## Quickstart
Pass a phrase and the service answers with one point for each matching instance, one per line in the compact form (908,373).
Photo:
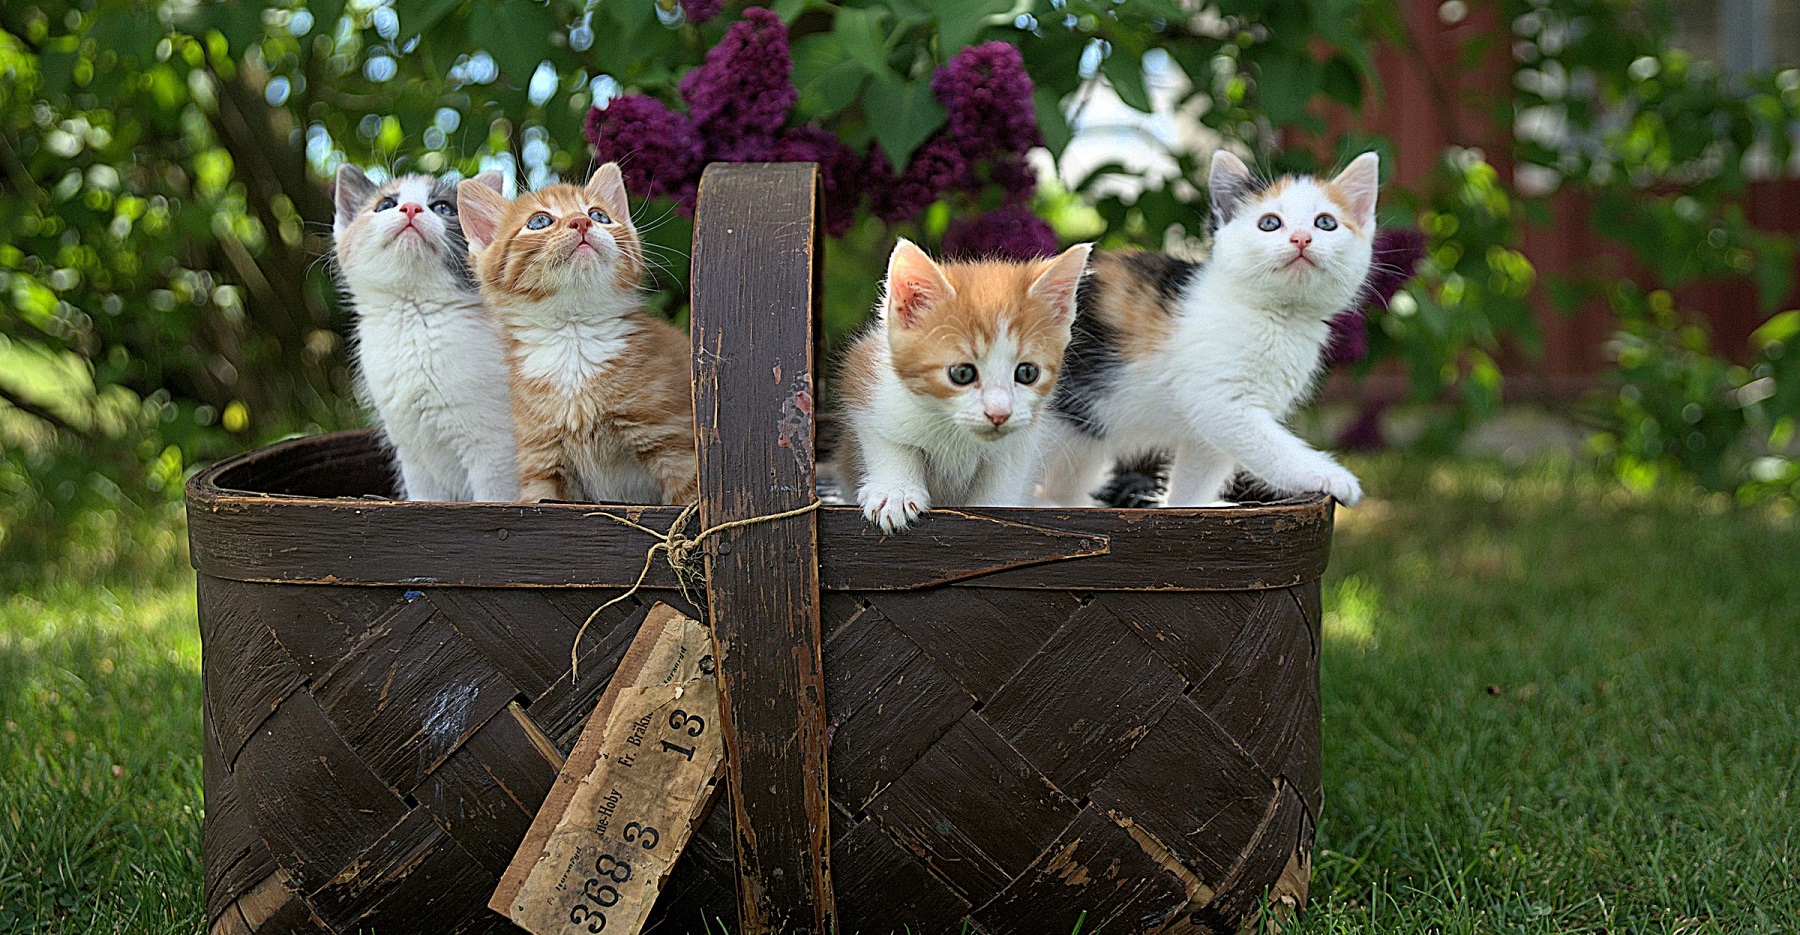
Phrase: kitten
(1208,360)
(942,398)
(431,363)
(601,401)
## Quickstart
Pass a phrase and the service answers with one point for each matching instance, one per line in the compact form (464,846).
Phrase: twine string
(679,550)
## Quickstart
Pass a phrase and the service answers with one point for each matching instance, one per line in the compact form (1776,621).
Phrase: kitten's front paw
(893,508)
(1340,483)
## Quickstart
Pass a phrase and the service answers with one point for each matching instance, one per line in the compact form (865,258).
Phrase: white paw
(893,508)
(1340,483)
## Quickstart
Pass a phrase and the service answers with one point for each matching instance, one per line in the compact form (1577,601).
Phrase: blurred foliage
(163,171)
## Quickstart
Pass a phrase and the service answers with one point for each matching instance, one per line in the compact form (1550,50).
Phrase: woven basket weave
(1034,717)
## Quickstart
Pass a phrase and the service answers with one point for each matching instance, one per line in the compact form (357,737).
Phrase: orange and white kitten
(944,398)
(600,391)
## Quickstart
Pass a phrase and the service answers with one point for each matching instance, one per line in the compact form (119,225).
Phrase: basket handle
(756,274)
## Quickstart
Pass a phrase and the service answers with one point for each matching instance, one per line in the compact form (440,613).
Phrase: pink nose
(411,210)
(1300,239)
(581,222)
(999,418)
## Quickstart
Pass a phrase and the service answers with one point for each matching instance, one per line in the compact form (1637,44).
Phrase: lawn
(1549,706)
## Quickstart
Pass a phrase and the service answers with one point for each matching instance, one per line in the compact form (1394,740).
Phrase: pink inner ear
(908,297)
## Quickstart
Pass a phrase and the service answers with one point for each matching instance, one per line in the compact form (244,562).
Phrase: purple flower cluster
(655,147)
(1397,253)
(699,11)
(739,97)
(1013,232)
(738,101)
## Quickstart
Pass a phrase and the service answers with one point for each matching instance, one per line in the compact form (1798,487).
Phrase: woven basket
(1030,716)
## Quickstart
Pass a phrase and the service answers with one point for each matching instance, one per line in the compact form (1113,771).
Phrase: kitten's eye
(1268,222)
(962,374)
(1325,222)
(386,203)
(444,208)
(539,221)
(599,216)
(1026,373)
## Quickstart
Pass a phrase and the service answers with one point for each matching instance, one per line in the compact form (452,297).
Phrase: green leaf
(239,23)
(1782,327)
(1050,120)
(326,14)
(132,34)
(1341,82)
(828,82)
(516,34)
(1285,85)
(860,36)
(960,22)
(1126,74)
(416,16)
(904,115)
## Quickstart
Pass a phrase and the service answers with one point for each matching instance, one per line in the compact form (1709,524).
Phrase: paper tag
(630,793)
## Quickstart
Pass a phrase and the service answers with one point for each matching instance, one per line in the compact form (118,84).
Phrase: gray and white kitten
(431,361)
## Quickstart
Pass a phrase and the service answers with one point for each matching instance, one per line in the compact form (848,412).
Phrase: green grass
(1549,707)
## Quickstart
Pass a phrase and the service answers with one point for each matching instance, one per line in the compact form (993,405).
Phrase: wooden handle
(755,305)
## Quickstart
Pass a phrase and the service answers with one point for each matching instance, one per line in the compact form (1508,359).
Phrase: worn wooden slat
(486,794)
(981,636)
(413,872)
(754,303)
(974,809)
(255,537)
(409,693)
(1259,690)
(316,804)
(1082,703)
(245,673)
(1191,632)
(1190,787)
(887,703)
(233,857)
(1094,874)
(880,885)
(1277,841)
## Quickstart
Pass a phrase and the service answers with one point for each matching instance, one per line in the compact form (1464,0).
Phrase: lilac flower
(740,95)
(936,167)
(840,171)
(1397,254)
(1015,177)
(699,11)
(987,95)
(1012,233)
(1349,338)
(655,147)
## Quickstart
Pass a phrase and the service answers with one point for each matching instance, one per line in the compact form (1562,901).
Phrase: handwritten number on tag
(642,835)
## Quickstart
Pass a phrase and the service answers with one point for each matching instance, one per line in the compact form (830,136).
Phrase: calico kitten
(431,363)
(1207,361)
(600,390)
(942,397)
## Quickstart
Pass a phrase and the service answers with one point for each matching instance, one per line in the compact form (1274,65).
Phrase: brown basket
(1029,714)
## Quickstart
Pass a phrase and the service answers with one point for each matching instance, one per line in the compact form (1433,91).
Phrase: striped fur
(600,390)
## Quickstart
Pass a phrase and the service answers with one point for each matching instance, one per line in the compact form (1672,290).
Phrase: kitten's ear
(1059,283)
(1228,184)
(914,283)
(353,191)
(608,187)
(493,179)
(480,209)
(1359,183)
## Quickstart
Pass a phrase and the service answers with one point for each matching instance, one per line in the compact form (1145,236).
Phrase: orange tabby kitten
(946,398)
(600,393)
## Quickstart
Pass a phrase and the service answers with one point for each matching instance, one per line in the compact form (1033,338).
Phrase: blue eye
(1325,222)
(444,208)
(539,221)
(386,203)
(599,216)
(962,374)
(1268,222)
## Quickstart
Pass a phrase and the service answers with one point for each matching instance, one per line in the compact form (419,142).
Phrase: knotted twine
(679,550)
